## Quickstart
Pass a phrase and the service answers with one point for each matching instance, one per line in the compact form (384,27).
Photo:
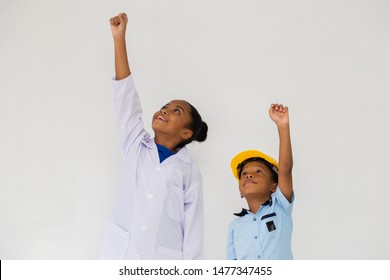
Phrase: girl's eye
(177,110)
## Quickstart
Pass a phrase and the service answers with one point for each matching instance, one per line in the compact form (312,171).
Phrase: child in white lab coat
(158,213)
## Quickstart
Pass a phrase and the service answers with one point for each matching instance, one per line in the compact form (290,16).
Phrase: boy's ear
(275,185)
(186,133)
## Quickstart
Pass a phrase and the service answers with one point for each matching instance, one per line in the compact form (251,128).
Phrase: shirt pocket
(175,203)
(269,225)
(115,242)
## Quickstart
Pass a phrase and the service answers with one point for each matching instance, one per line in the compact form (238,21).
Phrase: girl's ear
(186,134)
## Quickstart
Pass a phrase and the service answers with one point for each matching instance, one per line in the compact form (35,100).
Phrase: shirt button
(255,219)
(258,256)
(150,196)
(158,169)
(256,237)
(144,228)
(137,257)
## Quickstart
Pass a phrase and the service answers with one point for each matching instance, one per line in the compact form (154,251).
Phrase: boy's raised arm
(118,29)
(279,114)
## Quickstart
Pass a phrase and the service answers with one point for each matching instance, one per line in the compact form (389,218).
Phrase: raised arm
(279,114)
(128,107)
(118,29)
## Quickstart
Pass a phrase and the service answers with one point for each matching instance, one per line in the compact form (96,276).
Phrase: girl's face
(256,179)
(173,120)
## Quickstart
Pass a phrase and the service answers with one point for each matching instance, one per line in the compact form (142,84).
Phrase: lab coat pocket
(165,253)
(114,242)
(175,203)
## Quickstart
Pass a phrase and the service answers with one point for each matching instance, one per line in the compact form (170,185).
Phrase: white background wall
(60,158)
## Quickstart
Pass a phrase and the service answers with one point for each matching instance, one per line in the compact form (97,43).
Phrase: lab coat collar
(182,154)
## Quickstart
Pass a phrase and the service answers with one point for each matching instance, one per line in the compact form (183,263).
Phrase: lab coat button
(158,169)
(144,228)
(150,196)
(137,257)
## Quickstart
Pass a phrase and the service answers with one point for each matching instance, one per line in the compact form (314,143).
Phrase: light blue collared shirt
(265,235)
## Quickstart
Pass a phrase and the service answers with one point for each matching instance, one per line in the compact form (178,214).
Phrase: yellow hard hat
(237,162)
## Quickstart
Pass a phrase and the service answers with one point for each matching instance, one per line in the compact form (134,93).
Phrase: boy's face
(256,180)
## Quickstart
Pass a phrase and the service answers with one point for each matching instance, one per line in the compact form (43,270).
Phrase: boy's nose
(249,175)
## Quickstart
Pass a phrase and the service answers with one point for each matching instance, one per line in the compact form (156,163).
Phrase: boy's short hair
(241,159)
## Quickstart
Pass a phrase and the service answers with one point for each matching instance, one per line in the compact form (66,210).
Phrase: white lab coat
(158,212)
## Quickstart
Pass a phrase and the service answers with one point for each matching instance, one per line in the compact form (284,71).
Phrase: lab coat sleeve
(230,250)
(128,112)
(193,220)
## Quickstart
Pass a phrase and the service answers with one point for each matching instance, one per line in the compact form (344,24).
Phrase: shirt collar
(182,154)
(245,211)
(164,152)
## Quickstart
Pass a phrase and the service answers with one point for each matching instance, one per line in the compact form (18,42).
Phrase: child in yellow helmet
(264,230)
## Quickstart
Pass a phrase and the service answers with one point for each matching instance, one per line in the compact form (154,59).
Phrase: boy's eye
(259,171)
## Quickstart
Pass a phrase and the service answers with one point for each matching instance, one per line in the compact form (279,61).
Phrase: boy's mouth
(249,181)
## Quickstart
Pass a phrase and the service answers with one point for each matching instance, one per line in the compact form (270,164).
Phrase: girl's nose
(163,111)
